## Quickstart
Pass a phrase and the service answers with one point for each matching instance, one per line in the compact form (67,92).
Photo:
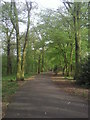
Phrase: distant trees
(78,14)
(66,40)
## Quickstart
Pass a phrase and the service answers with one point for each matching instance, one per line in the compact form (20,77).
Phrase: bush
(84,77)
(55,69)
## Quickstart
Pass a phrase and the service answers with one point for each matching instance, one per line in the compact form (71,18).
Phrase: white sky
(44,3)
(48,3)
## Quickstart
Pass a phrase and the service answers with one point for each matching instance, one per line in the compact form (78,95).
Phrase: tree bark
(26,40)
(71,54)
(9,63)
(76,18)
(16,26)
(89,26)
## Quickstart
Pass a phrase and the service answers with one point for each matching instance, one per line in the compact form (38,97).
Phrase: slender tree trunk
(42,66)
(66,64)
(71,54)
(26,40)
(63,70)
(39,59)
(23,64)
(35,64)
(9,63)
(18,77)
(77,37)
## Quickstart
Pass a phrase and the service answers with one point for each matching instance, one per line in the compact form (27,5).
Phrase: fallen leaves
(70,87)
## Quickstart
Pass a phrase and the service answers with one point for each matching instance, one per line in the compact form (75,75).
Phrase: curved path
(41,98)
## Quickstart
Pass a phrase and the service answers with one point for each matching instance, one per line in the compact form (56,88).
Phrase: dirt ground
(70,86)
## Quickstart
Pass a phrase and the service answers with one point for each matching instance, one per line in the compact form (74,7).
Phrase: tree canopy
(58,41)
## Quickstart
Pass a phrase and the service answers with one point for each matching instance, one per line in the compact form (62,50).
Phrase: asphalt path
(41,98)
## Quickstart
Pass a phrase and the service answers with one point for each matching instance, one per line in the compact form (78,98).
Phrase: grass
(69,77)
(10,86)
(10,77)
(8,89)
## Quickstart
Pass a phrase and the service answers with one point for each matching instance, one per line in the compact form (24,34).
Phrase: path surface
(41,98)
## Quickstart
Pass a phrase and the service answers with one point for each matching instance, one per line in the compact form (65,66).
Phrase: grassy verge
(10,85)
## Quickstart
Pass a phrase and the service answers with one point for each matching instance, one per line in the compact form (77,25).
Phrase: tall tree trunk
(9,62)
(77,37)
(89,26)
(26,40)
(16,26)
(66,64)
(23,64)
(35,64)
(18,77)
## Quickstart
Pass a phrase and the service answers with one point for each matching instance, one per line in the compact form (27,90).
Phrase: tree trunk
(9,63)
(71,54)
(66,64)
(89,26)
(63,70)
(26,40)
(18,77)
(39,59)
(77,37)
(42,66)
(23,64)
(16,26)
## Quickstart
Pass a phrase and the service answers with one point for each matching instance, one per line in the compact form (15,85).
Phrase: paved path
(40,98)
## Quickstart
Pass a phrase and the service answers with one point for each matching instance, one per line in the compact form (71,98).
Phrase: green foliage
(55,69)
(51,40)
(8,88)
(84,77)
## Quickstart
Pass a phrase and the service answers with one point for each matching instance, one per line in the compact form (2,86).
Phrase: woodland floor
(48,96)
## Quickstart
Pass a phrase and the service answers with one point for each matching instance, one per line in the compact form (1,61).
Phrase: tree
(29,7)
(76,17)
(7,29)
(15,22)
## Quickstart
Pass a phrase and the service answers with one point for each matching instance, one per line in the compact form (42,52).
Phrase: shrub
(84,77)
(55,69)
